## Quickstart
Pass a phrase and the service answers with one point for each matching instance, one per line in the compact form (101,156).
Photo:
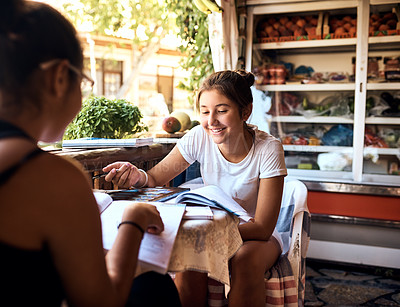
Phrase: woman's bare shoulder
(45,195)
(50,177)
(55,169)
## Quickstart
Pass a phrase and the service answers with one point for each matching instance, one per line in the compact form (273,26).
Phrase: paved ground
(334,284)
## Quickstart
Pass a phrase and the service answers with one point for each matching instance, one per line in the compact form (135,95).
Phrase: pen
(103,175)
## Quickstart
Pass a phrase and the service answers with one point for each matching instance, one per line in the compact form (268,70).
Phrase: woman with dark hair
(248,164)
(50,230)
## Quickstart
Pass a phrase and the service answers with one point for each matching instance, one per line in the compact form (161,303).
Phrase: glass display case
(332,72)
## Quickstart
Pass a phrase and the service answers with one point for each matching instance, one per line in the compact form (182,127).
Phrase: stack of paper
(198,213)
(105,143)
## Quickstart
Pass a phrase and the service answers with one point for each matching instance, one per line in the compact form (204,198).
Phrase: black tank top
(8,130)
(28,277)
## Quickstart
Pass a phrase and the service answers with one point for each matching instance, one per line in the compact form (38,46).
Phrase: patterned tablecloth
(207,246)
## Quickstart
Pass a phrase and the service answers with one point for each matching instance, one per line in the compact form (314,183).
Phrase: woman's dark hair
(32,33)
(234,85)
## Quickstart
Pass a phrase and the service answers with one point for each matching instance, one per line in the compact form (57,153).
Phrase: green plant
(193,30)
(104,118)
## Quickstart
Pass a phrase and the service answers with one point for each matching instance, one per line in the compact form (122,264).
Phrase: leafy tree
(149,21)
(193,29)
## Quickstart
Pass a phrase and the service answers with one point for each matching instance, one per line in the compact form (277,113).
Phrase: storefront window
(108,76)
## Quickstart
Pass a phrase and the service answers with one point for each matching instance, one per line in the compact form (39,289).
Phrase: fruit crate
(345,26)
(339,26)
(384,24)
(289,28)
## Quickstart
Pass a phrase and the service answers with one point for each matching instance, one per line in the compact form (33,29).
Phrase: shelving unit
(354,190)
(338,51)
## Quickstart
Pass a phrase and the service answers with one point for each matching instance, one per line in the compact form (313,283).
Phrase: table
(93,160)
(201,245)
(207,245)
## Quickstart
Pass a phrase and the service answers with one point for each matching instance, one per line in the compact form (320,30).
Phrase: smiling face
(220,118)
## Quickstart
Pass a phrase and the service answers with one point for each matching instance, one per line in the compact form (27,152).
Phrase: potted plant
(105,118)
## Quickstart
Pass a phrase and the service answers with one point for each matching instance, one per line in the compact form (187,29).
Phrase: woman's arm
(267,211)
(72,229)
(128,175)
(170,167)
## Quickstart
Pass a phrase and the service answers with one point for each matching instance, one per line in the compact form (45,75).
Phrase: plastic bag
(378,106)
(332,161)
(334,105)
(283,104)
(339,135)
(390,136)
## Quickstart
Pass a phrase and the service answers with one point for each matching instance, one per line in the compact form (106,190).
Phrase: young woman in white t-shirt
(246,163)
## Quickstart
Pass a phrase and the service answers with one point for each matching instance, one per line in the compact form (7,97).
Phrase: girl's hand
(146,215)
(123,174)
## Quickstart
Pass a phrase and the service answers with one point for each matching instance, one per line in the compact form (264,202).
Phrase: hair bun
(247,75)
(9,10)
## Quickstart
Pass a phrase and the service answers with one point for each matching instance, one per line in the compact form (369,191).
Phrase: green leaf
(105,118)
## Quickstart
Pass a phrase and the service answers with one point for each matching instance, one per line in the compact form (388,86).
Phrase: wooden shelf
(383,151)
(384,39)
(382,120)
(334,120)
(308,87)
(317,43)
(380,2)
(311,148)
(384,86)
(312,120)
(347,149)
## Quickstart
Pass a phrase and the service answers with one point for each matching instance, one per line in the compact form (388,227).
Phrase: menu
(155,250)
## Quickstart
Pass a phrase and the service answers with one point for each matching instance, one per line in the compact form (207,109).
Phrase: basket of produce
(383,24)
(289,28)
(339,26)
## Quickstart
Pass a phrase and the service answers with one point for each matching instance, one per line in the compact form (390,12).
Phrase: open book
(155,250)
(214,197)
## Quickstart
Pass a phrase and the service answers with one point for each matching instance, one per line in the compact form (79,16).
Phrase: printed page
(155,250)
(103,200)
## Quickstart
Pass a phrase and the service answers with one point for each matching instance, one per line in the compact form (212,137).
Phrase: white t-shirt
(239,180)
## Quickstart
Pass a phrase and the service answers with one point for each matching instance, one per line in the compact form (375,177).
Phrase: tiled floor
(336,284)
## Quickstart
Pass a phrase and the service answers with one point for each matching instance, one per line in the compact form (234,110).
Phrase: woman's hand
(123,174)
(146,215)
